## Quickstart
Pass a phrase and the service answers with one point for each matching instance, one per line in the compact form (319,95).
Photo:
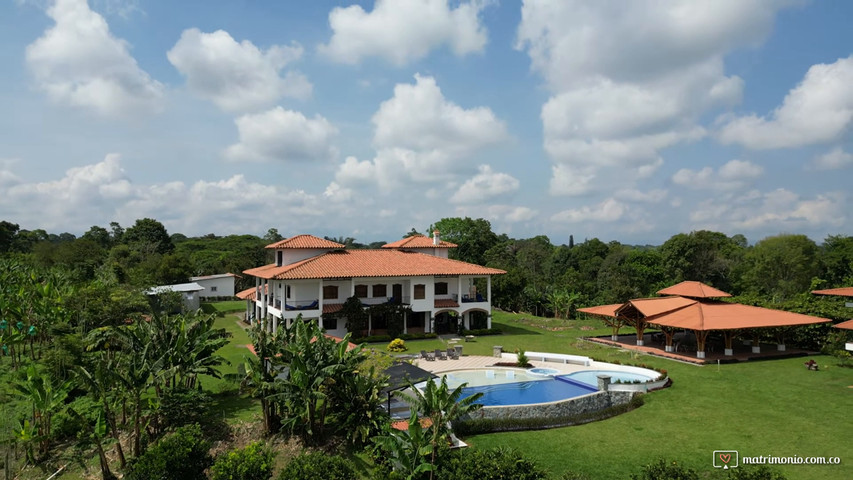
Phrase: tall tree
(473,237)
(781,266)
(8,231)
(148,236)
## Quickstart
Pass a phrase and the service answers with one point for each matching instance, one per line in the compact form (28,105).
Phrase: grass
(227,400)
(229,306)
(773,407)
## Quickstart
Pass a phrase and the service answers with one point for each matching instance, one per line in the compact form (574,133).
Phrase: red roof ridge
(305,240)
(693,289)
(419,241)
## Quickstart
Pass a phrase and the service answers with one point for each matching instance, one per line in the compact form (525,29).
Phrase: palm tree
(442,406)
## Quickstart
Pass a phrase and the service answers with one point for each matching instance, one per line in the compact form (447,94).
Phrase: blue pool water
(590,377)
(536,391)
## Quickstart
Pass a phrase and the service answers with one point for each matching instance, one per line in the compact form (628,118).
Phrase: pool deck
(477,361)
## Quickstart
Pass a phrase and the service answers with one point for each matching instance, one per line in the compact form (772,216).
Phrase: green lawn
(227,401)
(773,407)
(229,306)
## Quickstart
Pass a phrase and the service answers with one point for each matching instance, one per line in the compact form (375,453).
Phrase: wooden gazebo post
(728,337)
(668,332)
(701,336)
(637,321)
(615,323)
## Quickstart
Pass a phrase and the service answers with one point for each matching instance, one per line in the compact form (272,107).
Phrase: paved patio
(477,361)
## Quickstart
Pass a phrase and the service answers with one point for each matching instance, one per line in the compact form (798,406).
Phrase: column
(489,321)
(405,323)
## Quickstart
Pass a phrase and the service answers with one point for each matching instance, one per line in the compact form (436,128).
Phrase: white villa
(313,277)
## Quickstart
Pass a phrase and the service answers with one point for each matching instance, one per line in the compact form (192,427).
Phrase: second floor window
(361,291)
(379,291)
(441,288)
(420,291)
(330,292)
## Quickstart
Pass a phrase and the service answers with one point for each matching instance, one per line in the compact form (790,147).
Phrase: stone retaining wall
(571,407)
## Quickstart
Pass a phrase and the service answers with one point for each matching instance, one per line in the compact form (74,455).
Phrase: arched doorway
(446,322)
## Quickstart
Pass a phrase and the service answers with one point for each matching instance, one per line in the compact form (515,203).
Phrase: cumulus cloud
(485,185)
(237,76)
(402,31)
(772,212)
(78,62)
(421,137)
(610,210)
(818,110)
(735,174)
(640,196)
(835,159)
(622,94)
(283,135)
(102,192)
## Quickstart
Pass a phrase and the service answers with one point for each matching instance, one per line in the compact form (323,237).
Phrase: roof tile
(305,241)
(419,241)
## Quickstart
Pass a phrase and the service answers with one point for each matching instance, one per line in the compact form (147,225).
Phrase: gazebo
(692,306)
(841,292)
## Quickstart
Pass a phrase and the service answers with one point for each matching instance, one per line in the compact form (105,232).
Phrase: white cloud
(402,31)
(421,137)
(622,94)
(485,185)
(638,196)
(237,76)
(418,117)
(610,210)
(78,62)
(835,159)
(735,174)
(818,110)
(772,212)
(283,135)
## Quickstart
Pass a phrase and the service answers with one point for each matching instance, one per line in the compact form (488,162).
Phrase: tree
(442,406)
(8,231)
(47,399)
(273,236)
(782,266)
(836,260)
(148,236)
(473,237)
(702,256)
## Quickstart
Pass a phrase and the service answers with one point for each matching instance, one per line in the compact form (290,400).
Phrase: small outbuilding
(190,294)
(219,285)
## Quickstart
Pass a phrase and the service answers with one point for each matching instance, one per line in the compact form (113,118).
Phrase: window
(287,291)
(420,291)
(379,291)
(330,323)
(279,258)
(330,292)
(361,291)
(212,289)
(441,288)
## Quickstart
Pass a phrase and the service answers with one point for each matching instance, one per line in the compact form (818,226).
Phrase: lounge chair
(451,353)
(439,354)
(427,355)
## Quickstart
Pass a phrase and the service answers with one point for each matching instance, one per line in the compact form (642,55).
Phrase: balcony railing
(473,299)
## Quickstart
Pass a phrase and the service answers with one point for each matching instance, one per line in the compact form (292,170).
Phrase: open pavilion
(694,307)
(841,292)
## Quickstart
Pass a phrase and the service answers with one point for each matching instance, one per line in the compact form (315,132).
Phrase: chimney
(435,238)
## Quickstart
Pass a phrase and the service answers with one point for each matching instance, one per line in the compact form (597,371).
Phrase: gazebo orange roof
(841,292)
(602,310)
(708,315)
(848,325)
(693,290)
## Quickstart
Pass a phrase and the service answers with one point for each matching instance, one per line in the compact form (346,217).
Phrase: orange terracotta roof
(370,263)
(332,308)
(650,307)
(445,303)
(248,294)
(403,425)
(848,325)
(693,290)
(842,292)
(715,315)
(419,241)
(305,241)
(602,310)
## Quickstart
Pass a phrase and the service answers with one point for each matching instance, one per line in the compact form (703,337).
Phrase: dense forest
(86,356)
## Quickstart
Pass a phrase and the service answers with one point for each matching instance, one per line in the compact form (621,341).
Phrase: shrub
(181,455)
(494,464)
(311,466)
(254,462)
(397,345)
(663,470)
(183,406)
(521,360)
(762,472)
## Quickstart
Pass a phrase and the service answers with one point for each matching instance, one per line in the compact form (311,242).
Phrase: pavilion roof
(715,315)
(848,325)
(693,290)
(842,292)
(650,307)
(602,310)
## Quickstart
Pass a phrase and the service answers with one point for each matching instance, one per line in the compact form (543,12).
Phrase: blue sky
(629,121)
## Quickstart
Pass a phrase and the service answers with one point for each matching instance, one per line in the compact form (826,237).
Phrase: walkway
(476,361)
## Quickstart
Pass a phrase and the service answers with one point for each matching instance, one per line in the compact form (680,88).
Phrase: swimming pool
(590,377)
(516,387)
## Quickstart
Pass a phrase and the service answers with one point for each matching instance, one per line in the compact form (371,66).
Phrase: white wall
(217,287)
(293,255)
